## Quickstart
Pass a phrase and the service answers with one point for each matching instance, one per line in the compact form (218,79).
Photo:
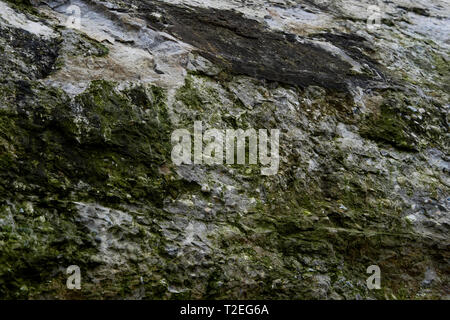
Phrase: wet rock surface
(86,176)
(244,46)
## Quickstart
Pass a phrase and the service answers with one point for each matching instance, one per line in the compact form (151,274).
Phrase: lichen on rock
(86,176)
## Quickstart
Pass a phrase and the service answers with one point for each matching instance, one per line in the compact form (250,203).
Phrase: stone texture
(86,176)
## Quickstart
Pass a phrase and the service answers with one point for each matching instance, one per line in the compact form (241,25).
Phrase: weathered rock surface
(86,176)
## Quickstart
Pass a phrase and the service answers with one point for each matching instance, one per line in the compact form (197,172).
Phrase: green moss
(37,244)
(388,126)
(114,142)
(189,95)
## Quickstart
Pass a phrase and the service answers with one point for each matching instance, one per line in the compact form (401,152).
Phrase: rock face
(87,108)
